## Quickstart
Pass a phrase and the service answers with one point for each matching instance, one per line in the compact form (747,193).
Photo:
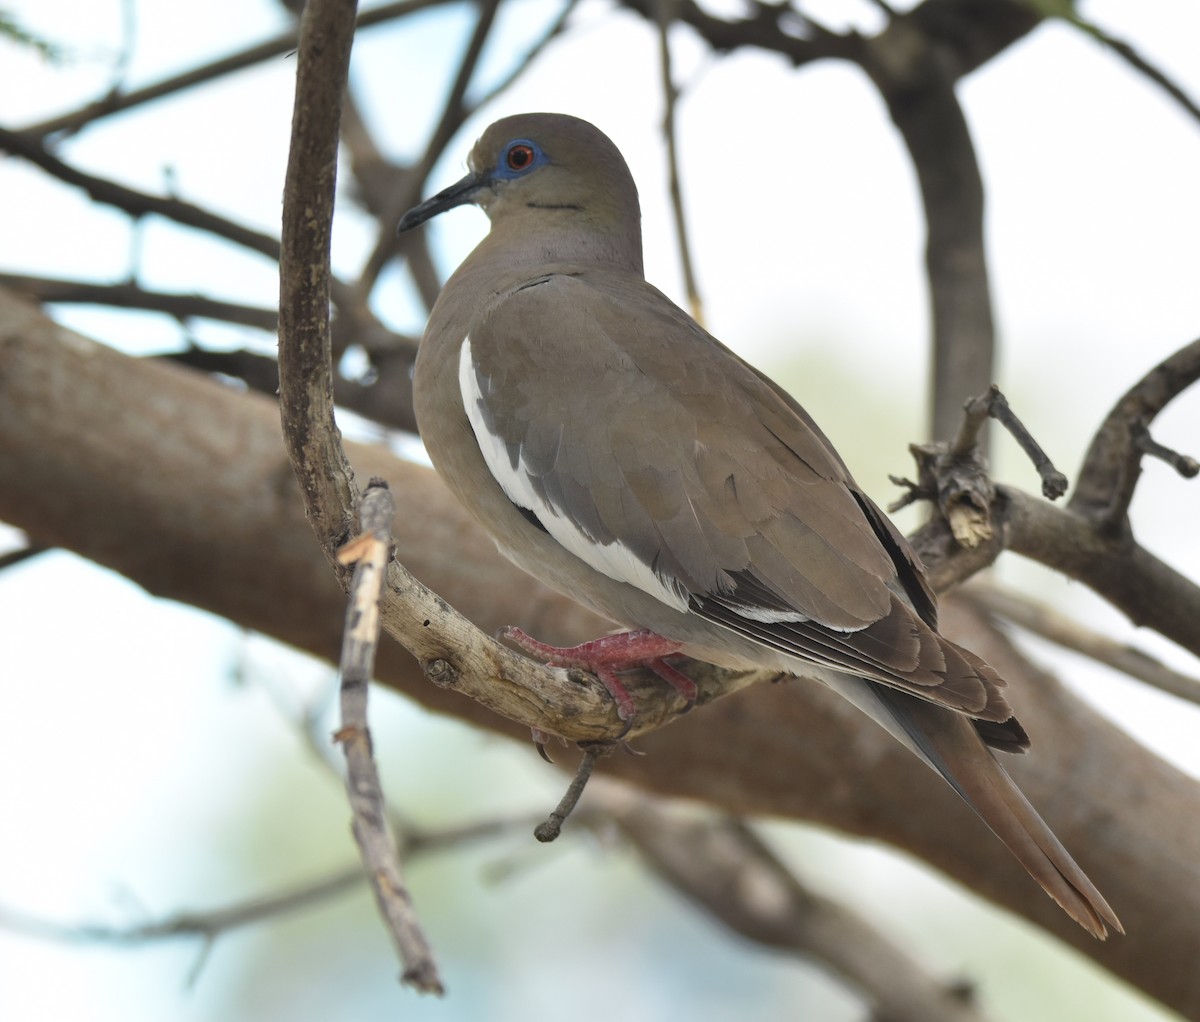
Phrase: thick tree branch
(1144,588)
(187,490)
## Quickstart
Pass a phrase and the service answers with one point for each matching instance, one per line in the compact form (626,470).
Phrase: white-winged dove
(624,456)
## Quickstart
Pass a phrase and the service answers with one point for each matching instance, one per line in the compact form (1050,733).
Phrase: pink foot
(609,654)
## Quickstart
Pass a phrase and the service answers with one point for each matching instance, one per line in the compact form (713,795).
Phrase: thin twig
(994,405)
(209,924)
(1043,620)
(370,553)
(955,474)
(277,46)
(139,204)
(133,202)
(666,15)
(557,27)
(1184,464)
(129,295)
(1135,60)
(454,112)
(550,828)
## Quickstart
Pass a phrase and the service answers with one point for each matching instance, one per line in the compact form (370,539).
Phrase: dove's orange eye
(520,156)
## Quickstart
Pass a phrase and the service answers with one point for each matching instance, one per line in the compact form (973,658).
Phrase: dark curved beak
(456,195)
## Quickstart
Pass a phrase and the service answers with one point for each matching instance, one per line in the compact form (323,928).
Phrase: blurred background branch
(180,483)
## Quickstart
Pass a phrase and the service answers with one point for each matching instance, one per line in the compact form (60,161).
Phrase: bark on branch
(187,490)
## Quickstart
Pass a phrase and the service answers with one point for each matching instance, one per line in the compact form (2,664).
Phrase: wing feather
(757,526)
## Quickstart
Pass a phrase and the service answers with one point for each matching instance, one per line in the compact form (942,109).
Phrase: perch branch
(326,35)
(251,558)
(452,652)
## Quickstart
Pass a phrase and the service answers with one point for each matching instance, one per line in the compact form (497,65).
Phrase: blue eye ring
(519,157)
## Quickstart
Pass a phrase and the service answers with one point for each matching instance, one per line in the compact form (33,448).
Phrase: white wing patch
(768,617)
(615,560)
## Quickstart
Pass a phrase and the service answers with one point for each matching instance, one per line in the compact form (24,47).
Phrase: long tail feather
(950,744)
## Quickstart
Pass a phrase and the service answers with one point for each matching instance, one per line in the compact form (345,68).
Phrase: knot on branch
(441,672)
(957,481)
(954,474)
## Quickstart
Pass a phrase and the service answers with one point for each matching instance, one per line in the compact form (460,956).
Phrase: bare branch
(1134,59)
(133,202)
(730,873)
(211,924)
(955,476)
(551,827)
(138,204)
(130,295)
(454,112)
(251,558)
(456,655)
(994,405)
(1112,465)
(666,15)
(556,28)
(279,46)
(305,345)
(980,519)
(916,79)
(208,924)
(11,558)
(326,33)
(1147,590)
(370,553)
(1048,623)
(768,27)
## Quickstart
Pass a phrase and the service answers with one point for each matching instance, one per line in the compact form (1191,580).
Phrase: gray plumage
(619,452)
